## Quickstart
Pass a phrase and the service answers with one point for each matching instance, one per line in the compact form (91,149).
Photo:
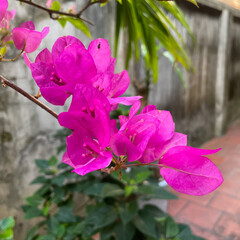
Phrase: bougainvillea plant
(145,137)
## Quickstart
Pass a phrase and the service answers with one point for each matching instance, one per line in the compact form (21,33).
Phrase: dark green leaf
(124,232)
(65,215)
(47,237)
(155,192)
(6,223)
(171,227)
(104,190)
(101,217)
(34,200)
(42,164)
(146,224)
(32,213)
(52,161)
(40,179)
(58,180)
(128,211)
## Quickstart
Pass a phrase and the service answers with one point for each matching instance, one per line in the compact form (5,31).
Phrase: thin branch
(51,11)
(6,82)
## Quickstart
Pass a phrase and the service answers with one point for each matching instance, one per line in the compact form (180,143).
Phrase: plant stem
(6,82)
(51,11)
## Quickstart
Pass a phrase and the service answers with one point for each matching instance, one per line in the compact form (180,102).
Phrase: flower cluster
(146,138)
(25,37)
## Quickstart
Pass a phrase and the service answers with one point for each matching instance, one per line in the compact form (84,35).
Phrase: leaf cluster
(149,29)
(6,228)
(113,207)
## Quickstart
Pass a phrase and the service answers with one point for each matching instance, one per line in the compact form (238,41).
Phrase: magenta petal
(134,109)
(75,65)
(121,145)
(45,32)
(192,150)
(3,8)
(28,25)
(120,83)
(20,36)
(101,54)
(124,100)
(123,120)
(27,60)
(63,42)
(67,160)
(44,56)
(189,173)
(178,139)
(113,127)
(54,95)
(33,41)
(148,108)
(95,164)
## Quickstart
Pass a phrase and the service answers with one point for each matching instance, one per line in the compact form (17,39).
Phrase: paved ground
(216,216)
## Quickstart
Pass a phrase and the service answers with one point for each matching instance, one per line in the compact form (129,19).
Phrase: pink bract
(3,8)
(25,35)
(187,171)
(84,154)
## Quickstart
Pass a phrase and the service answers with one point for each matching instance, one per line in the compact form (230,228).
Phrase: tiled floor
(216,216)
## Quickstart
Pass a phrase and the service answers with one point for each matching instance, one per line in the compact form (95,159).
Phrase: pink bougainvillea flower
(187,171)
(57,73)
(9,15)
(84,153)
(72,64)
(49,3)
(133,137)
(25,35)
(3,8)
(89,113)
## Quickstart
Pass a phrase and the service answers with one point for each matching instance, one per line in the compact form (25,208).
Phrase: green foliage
(147,24)
(6,225)
(112,205)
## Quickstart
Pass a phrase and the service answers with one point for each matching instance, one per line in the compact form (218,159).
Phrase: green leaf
(142,176)
(42,164)
(52,225)
(52,161)
(124,232)
(3,51)
(34,200)
(32,213)
(56,6)
(7,234)
(61,231)
(58,180)
(150,192)
(46,237)
(65,215)
(6,223)
(172,228)
(79,24)
(40,179)
(194,2)
(145,223)
(128,211)
(104,190)
(101,217)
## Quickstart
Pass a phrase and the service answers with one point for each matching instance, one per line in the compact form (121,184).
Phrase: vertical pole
(221,76)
